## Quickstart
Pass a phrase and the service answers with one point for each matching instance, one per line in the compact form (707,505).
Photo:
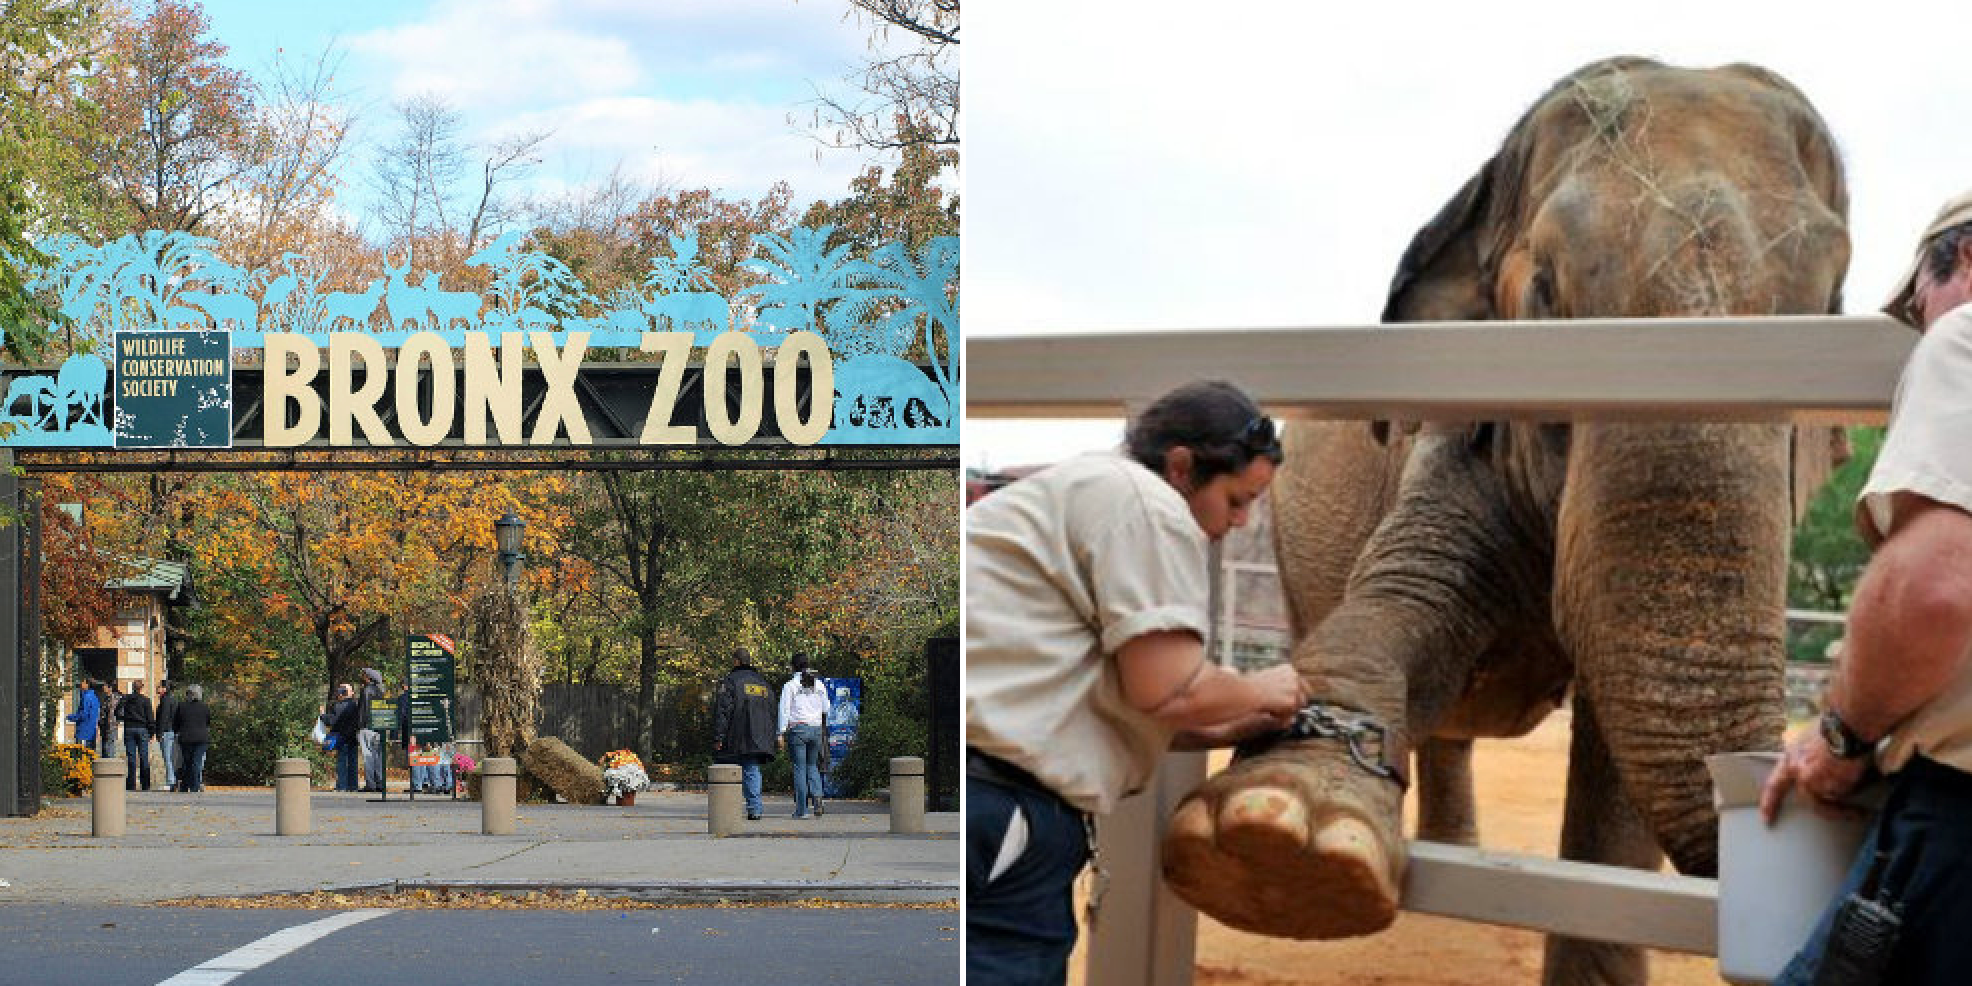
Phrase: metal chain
(1321,720)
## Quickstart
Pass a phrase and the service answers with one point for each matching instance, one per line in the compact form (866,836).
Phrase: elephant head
(1499,564)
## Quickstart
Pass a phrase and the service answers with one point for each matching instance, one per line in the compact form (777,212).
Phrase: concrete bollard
(906,795)
(106,797)
(291,796)
(498,780)
(725,808)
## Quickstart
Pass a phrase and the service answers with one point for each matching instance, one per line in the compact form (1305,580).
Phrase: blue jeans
(750,783)
(1020,924)
(167,750)
(195,766)
(136,757)
(804,745)
(1925,831)
(346,763)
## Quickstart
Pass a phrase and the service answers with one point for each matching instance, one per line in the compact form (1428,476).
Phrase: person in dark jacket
(192,721)
(345,722)
(167,738)
(743,719)
(138,725)
(112,705)
(88,714)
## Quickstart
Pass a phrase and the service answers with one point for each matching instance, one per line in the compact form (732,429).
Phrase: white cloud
(698,92)
(482,54)
(738,147)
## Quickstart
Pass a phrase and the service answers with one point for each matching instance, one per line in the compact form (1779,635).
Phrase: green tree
(35,57)
(1828,555)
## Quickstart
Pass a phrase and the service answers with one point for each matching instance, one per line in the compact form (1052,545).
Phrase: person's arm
(1167,676)
(722,713)
(786,709)
(1909,627)
(1911,621)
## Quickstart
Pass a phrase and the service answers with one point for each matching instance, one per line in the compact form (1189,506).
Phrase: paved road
(113,946)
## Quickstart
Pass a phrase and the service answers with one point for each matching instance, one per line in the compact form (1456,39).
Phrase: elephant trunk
(1450,566)
(1660,524)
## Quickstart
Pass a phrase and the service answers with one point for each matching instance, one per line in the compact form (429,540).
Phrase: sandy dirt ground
(1520,787)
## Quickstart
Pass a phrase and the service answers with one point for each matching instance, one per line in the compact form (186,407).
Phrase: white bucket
(1774,882)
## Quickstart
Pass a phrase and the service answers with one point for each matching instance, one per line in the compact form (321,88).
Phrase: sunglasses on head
(1259,438)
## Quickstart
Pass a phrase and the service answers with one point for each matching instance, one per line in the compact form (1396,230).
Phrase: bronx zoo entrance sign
(173,348)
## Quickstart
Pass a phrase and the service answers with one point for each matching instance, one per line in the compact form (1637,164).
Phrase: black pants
(1024,847)
(1926,830)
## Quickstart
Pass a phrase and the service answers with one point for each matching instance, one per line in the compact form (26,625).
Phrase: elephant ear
(1442,276)
(1446,273)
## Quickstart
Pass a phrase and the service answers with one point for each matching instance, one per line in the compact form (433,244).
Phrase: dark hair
(740,656)
(1223,427)
(1941,254)
(800,662)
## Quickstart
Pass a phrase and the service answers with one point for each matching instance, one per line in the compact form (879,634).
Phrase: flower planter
(626,799)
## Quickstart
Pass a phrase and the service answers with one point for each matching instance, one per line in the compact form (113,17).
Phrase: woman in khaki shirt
(1087,594)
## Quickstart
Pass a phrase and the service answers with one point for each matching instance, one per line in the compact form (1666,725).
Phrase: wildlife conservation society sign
(174,390)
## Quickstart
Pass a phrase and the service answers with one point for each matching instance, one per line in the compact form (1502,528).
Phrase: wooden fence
(1808,369)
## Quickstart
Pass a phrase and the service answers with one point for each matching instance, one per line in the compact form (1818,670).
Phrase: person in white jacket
(803,730)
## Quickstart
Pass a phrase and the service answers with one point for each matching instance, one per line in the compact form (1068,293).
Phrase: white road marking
(253,955)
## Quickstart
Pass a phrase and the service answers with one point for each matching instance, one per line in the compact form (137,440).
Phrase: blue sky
(688,93)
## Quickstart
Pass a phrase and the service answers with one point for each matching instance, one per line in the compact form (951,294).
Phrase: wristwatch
(1842,741)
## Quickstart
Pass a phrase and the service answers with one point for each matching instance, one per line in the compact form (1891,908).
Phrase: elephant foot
(1295,843)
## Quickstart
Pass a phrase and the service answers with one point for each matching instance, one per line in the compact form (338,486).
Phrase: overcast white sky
(1157,166)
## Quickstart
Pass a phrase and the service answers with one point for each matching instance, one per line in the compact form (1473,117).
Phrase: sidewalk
(221,843)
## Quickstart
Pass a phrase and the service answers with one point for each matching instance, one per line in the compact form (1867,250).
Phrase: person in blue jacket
(88,714)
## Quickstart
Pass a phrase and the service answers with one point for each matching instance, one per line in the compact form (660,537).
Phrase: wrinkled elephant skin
(1459,579)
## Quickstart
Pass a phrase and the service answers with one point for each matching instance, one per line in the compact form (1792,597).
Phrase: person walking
(88,714)
(1900,700)
(167,738)
(744,720)
(1087,588)
(138,724)
(343,721)
(803,723)
(192,721)
(371,742)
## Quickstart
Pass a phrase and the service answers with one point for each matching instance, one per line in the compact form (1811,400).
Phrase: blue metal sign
(851,322)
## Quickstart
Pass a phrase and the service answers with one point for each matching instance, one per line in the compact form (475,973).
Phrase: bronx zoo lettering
(491,387)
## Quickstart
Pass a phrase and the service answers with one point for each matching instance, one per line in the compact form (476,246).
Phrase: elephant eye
(1538,300)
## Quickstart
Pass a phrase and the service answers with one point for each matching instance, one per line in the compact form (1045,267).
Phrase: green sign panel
(173,389)
(433,701)
(383,715)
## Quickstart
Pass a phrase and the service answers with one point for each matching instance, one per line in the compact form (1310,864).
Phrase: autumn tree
(355,560)
(290,158)
(702,553)
(436,190)
(910,83)
(175,121)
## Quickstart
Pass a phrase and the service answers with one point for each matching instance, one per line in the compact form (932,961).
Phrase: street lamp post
(507,531)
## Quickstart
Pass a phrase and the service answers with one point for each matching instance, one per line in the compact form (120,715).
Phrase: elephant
(1449,581)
